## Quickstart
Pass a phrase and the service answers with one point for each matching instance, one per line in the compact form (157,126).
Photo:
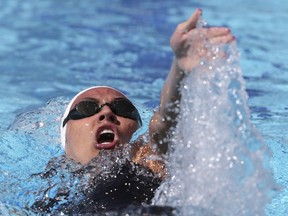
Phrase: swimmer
(102,118)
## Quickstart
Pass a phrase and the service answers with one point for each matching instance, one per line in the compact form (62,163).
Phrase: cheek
(79,142)
(77,133)
(129,129)
(132,128)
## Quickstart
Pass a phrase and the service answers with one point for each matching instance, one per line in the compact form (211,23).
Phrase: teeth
(106,136)
(106,131)
(105,143)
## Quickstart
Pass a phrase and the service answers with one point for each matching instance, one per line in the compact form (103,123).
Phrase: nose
(107,114)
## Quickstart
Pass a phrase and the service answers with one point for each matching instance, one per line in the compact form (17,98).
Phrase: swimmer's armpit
(149,158)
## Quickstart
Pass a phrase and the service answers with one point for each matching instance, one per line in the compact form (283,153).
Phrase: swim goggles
(120,107)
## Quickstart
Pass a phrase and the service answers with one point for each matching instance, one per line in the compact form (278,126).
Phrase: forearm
(166,116)
(170,94)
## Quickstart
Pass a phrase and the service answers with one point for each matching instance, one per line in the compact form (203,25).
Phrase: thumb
(192,21)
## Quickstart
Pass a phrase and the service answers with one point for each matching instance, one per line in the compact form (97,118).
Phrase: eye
(87,108)
(124,107)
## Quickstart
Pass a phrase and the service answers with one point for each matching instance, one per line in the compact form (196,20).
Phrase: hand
(189,43)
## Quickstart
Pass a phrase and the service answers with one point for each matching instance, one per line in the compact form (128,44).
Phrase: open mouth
(106,137)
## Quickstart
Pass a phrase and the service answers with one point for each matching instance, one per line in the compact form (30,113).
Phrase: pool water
(50,50)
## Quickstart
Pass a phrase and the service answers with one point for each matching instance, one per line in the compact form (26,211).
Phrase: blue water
(53,49)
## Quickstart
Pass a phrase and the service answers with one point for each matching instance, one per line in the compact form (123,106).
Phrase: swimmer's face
(104,130)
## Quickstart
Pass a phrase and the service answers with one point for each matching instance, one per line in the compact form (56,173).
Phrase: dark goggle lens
(120,107)
(87,108)
(123,108)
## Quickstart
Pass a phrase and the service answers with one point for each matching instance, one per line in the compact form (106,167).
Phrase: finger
(217,31)
(192,21)
(222,39)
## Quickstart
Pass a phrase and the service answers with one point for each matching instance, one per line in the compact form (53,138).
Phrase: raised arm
(188,45)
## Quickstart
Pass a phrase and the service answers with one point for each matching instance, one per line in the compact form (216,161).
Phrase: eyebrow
(121,98)
(97,100)
(89,99)
(85,99)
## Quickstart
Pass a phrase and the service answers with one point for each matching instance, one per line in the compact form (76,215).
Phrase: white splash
(217,162)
